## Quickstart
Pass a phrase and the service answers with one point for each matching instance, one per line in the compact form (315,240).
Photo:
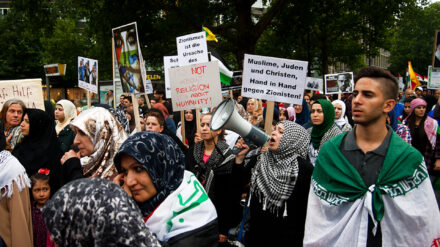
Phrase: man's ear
(389,105)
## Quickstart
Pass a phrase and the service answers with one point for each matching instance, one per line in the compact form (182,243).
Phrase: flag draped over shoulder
(413,81)
(402,200)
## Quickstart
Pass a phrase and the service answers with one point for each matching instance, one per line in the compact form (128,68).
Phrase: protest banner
(195,86)
(274,79)
(169,62)
(436,52)
(88,74)
(128,55)
(339,83)
(433,78)
(315,84)
(28,90)
(192,49)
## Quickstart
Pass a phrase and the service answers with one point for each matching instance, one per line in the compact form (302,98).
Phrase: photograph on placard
(433,78)
(88,74)
(314,84)
(128,58)
(339,83)
(436,55)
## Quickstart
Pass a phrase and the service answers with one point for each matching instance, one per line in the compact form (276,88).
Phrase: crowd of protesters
(360,170)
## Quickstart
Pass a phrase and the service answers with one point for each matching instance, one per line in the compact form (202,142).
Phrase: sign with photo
(433,78)
(436,53)
(195,86)
(339,83)
(129,60)
(88,74)
(274,79)
(27,90)
(192,49)
(315,84)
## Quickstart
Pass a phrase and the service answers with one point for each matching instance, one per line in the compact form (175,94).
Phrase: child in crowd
(40,194)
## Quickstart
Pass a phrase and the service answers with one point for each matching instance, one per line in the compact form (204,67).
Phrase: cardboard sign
(275,79)
(339,83)
(195,86)
(169,62)
(27,90)
(433,78)
(192,49)
(315,84)
(88,74)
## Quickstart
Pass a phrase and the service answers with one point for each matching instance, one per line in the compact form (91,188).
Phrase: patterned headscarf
(162,159)
(69,114)
(95,212)
(274,177)
(318,131)
(107,135)
(292,113)
(429,124)
(340,122)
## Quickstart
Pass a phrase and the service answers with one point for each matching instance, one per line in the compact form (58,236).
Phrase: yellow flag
(209,35)
(412,75)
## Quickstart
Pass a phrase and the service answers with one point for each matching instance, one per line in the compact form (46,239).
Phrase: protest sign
(195,86)
(169,62)
(433,78)
(88,74)
(275,79)
(27,90)
(315,84)
(192,49)
(339,83)
(436,53)
(128,54)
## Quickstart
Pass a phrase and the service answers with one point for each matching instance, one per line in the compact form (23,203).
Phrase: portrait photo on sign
(436,55)
(339,83)
(88,74)
(128,58)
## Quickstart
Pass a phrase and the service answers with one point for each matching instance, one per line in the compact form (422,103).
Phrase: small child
(40,195)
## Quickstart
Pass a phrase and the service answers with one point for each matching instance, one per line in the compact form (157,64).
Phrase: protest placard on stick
(169,62)
(192,49)
(27,90)
(88,74)
(339,83)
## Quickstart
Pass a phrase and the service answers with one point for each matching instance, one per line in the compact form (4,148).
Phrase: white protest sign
(433,78)
(195,86)
(27,90)
(192,49)
(169,62)
(274,79)
(315,84)
(88,74)
(339,83)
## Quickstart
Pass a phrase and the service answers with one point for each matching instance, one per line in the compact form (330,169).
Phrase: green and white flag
(402,201)
(225,73)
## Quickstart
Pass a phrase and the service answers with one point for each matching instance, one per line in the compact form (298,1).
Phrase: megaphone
(226,117)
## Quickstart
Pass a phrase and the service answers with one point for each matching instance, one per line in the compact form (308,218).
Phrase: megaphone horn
(226,117)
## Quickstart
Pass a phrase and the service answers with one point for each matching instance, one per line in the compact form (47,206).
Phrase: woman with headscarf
(254,114)
(95,212)
(280,182)
(292,114)
(424,134)
(340,120)
(190,128)
(65,112)
(98,137)
(213,163)
(303,115)
(15,206)
(324,126)
(39,147)
(173,203)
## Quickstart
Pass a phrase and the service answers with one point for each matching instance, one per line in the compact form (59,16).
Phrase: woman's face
(189,116)
(152,124)
(317,115)
(137,179)
(25,126)
(282,116)
(41,192)
(307,98)
(298,109)
(338,110)
(59,113)
(83,142)
(276,136)
(250,106)
(207,134)
(420,111)
(407,108)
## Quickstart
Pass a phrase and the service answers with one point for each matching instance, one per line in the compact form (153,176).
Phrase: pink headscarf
(292,114)
(430,124)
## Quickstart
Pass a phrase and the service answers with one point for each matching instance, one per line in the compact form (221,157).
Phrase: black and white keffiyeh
(95,212)
(275,174)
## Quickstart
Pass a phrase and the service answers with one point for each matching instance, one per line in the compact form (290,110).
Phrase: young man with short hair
(369,187)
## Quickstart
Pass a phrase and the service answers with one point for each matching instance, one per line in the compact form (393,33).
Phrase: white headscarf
(340,122)
(69,114)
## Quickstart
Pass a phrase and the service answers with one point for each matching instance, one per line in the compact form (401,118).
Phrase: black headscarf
(95,212)
(303,118)
(191,129)
(40,149)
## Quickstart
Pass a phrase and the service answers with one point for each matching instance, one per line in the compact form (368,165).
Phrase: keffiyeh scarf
(11,171)
(275,174)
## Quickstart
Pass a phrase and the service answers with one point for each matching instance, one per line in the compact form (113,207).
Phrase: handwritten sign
(315,84)
(27,90)
(192,49)
(169,62)
(339,83)
(274,79)
(195,86)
